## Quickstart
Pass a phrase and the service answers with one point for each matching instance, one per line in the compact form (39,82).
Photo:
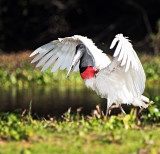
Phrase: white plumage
(120,81)
(64,50)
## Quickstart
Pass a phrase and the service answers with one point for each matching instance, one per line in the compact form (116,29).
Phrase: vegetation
(16,69)
(151,65)
(75,133)
(81,134)
(26,133)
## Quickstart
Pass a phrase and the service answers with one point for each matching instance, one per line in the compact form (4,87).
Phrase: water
(54,101)
(48,99)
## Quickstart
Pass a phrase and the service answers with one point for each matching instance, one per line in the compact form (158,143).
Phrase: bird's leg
(107,109)
(122,109)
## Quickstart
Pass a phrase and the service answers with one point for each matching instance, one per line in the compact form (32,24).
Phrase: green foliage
(12,126)
(152,115)
(89,134)
(152,71)
(23,126)
(16,126)
(151,65)
(24,74)
(28,75)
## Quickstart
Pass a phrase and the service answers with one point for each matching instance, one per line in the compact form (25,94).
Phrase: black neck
(85,61)
(82,69)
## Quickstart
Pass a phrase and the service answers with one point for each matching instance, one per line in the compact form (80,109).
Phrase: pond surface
(54,101)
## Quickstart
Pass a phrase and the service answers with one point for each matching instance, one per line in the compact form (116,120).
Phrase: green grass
(75,133)
(16,69)
(132,141)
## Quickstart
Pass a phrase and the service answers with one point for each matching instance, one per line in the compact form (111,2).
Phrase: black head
(81,54)
(81,47)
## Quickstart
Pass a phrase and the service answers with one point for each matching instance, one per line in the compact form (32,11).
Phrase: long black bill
(75,60)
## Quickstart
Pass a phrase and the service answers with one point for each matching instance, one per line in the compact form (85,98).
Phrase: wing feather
(118,49)
(128,63)
(121,54)
(46,57)
(45,48)
(60,61)
(67,58)
(49,62)
(38,57)
(61,53)
(56,51)
(124,60)
(124,74)
(130,60)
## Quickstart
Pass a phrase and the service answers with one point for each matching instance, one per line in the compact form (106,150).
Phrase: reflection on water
(48,100)
(55,100)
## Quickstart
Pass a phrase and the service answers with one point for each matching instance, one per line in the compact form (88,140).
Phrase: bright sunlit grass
(86,134)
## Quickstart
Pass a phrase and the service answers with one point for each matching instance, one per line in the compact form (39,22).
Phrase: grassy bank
(75,133)
(16,69)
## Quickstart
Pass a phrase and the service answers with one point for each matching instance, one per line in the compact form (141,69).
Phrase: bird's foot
(122,109)
(97,70)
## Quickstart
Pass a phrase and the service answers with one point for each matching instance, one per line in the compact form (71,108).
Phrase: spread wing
(124,76)
(61,52)
(128,61)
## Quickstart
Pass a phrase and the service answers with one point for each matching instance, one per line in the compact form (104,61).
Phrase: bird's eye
(81,46)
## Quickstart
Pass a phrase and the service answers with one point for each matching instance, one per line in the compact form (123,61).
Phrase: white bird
(120,81)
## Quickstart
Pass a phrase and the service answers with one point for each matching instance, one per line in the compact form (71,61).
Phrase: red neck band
(88,73)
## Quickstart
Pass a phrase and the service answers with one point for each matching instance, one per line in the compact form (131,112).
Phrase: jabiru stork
(120,81)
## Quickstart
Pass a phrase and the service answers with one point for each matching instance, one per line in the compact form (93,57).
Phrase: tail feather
(143,101)
(140,103)
(146,99)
